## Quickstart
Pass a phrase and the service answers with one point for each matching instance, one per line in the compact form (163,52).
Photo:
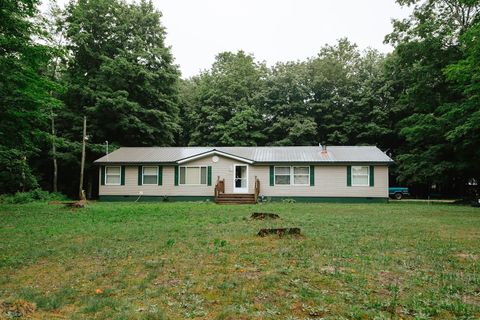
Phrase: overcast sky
(272,30)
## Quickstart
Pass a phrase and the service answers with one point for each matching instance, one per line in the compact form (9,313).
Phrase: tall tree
(121,73)
(226,111)
(425,44)
(286,106)
(463,115)
(348,101)
(24,93)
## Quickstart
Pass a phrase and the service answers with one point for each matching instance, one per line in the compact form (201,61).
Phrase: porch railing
(257,188)
(219,187)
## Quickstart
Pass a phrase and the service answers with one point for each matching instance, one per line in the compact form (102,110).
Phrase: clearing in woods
(205,261)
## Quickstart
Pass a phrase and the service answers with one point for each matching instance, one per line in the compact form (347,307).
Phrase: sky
(272,30)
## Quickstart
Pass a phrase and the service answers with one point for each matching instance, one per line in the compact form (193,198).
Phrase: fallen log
(71,204)
(279,231)
(264,215)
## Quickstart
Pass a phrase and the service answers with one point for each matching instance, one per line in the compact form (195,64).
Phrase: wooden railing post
(257,188)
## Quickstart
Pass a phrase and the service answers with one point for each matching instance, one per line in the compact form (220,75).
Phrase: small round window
(215,159)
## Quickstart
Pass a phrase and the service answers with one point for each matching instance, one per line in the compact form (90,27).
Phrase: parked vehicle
(398,193)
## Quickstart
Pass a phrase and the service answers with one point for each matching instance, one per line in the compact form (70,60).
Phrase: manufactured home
(245,174)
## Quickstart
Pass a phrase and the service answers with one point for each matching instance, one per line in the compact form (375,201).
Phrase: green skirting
(155,198)
(328,199)
(267,199)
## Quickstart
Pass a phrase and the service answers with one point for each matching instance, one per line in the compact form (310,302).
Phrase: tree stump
(264,215)
(279,231)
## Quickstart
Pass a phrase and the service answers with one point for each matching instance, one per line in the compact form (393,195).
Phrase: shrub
(32,196)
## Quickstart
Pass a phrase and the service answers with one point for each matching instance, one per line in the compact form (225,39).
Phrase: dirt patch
(264,215)
(332,270)
(387,278)
(16,309)
(280,232)
(466,257)
(473,300)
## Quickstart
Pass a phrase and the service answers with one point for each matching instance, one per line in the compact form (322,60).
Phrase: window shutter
(312,176)
(349,176)
(140,173)
(272,176)
(102,175)
(176,175)
(209,175)
(372,176)
(160,175)
(122,176)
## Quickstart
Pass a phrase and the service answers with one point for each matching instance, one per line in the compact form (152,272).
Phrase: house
(245,174)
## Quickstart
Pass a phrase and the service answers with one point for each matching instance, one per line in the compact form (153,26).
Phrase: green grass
(204,261)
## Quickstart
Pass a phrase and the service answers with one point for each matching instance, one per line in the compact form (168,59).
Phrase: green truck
(397,192)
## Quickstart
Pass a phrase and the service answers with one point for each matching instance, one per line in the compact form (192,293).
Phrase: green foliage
(32,196)
(16,174)
(24,93)
(224,102)
(430,95)
(121,73)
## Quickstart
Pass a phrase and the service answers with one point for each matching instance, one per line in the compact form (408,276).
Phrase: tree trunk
(54,152)
(82,164)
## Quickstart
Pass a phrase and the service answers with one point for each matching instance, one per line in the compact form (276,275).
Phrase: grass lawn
(204,261)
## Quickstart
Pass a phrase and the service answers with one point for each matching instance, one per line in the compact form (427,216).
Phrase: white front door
(240,178)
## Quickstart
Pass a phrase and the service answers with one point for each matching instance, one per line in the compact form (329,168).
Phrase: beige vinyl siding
(330,181)
(222,168)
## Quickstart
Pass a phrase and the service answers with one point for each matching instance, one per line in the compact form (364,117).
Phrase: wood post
(81,193)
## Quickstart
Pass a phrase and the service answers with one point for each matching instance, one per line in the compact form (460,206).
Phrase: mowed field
(205,261)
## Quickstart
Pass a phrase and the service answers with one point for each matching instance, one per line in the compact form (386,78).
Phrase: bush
(16,174)
(32,196)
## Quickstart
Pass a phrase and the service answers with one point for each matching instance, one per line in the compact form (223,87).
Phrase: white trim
(275,175)
(292,176)
(143,175)
(368,177)
(214,152)
(120,175)
(240,190)
(200,176)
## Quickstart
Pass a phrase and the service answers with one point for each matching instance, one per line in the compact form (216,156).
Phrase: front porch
(235,198)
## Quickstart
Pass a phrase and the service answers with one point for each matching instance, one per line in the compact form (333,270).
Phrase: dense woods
(107,60)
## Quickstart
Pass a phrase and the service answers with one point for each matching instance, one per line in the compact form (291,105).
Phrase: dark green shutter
(372,176)
(176,175)
(349,176)
(209,175)
(160,175)
(312,176)
(102,175)
(272,175)
(140,173)
(122,176)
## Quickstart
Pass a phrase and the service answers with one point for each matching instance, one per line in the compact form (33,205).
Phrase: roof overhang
(215,152)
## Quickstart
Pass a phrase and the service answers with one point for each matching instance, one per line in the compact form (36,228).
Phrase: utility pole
(82,164)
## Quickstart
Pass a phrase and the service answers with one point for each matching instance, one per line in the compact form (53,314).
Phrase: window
(299,176)
(282,175)
(112,175)
(360,176)
(150,175)
(193,175)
